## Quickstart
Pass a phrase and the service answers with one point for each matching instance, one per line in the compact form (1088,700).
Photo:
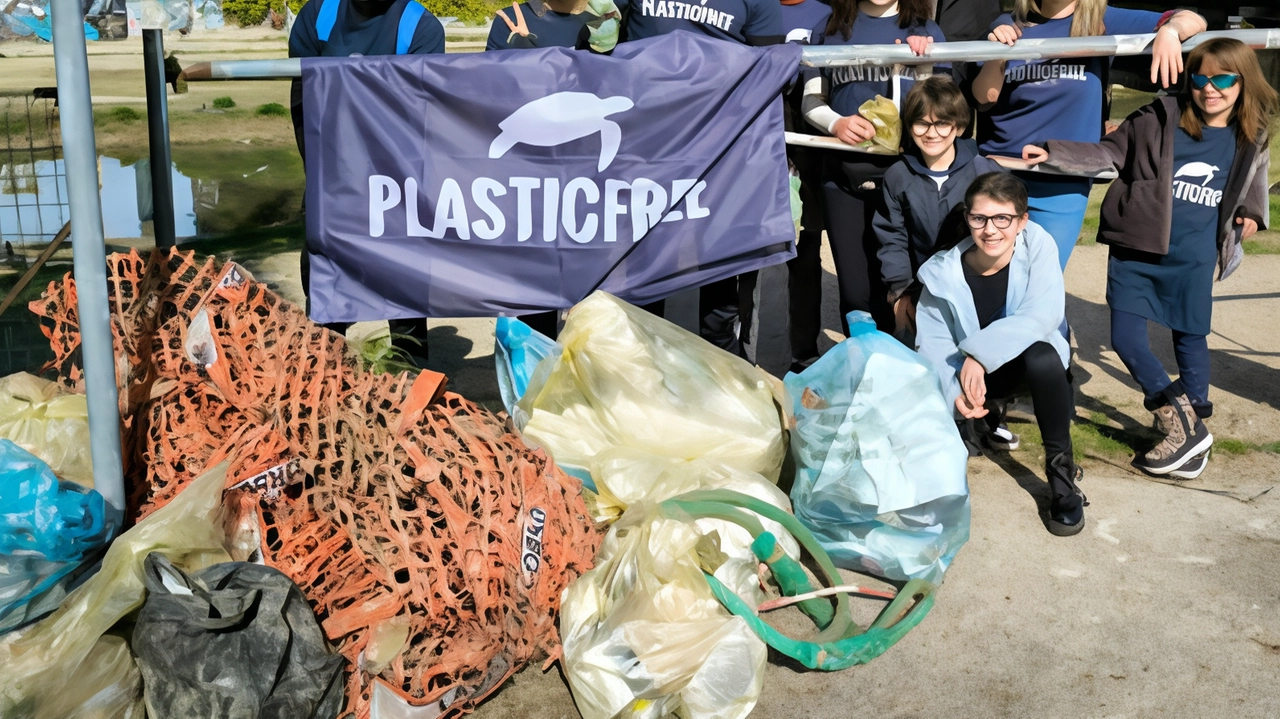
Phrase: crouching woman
(988,320)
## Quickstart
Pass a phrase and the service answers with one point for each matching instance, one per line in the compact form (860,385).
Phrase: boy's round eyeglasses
(942,127)
(1221,82)
(1002,222)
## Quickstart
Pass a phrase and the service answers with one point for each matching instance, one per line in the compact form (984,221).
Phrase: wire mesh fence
(33,207)
(33,187)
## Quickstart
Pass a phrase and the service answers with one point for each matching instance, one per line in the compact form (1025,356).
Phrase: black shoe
(799,366)
(1066,508)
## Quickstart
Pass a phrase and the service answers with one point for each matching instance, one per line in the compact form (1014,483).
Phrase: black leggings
(852,194)
(1039,368)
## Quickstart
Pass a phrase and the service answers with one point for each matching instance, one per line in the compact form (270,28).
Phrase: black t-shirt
(990,293)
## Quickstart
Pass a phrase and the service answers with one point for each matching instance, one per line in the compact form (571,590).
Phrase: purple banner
(515,182)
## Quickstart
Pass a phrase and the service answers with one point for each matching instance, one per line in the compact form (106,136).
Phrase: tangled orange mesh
(391,505)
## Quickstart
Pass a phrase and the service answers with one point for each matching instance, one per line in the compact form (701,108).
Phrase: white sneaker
(1001,439)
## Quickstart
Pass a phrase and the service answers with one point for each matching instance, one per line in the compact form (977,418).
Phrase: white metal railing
(865,55)
(832,55)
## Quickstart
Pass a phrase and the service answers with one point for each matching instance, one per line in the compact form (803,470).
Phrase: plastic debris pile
(682,444)
(432,544)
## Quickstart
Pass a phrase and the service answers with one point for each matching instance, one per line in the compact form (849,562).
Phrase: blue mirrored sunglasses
(1221,82)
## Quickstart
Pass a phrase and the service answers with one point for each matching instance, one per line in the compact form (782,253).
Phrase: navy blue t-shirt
(1053,99)
(1176,289)
(851,86)
(554,29)
(805,21)
(353,34)
(734,20)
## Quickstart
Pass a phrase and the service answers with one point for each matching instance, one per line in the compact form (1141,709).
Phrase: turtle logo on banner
(560,118)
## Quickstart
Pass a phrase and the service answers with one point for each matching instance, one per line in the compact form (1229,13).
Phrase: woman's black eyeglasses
(1002,222)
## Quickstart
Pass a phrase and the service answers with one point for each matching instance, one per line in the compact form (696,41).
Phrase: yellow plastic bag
(62,665)
(49,422)
(645,637)
(629,379)
(881,113)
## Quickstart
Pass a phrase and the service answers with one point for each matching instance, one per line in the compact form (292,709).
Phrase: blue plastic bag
(880,469)
(517,350)
(47,529)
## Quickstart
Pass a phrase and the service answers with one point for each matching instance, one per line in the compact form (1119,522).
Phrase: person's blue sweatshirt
(919,218)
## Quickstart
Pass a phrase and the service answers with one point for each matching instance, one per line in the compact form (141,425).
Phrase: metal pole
(158,134)
(80,158)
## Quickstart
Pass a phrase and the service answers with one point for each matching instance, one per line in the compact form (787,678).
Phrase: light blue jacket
(947,322)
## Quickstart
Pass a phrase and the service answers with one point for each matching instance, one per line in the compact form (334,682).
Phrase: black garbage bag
(232,641)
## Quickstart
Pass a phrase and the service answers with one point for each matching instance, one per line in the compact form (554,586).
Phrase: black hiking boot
(1067,502)
(1185,437)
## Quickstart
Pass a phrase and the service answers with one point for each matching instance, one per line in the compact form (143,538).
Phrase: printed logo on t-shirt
(799,35)
(1044,72)
(1199,194)
(687,11)
(850,73)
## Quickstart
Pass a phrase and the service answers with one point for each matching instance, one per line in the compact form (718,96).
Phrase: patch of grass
(1232,446)
(121,113)
(223,103)
(1265,246)
(1089,437)
(272,109)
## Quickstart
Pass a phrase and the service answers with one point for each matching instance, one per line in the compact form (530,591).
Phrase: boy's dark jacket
(919,220)
(1137,212)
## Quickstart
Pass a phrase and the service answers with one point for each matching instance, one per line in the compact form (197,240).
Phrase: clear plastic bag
(644,636)
(880,469)
(627,477)
(54,668)
(48,528)
(626,378)
(49,422)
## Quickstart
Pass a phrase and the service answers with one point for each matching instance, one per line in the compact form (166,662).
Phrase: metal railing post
(79,152)
(158,136)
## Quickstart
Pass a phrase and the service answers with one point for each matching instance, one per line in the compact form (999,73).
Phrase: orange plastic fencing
(390,503)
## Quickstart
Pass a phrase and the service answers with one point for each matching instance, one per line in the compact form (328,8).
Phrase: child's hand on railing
(1007,34)
(919,44)
(1034,154)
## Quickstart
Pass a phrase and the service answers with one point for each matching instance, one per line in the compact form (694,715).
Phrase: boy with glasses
(988,321)
(924,192)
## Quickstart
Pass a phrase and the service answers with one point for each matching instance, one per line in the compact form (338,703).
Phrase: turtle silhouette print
(564,117)
(1197,169)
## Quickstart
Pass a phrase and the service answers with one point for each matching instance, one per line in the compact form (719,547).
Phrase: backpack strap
(413,12)
(327,18)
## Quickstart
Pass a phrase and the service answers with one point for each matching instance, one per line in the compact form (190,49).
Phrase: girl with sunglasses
(988,321)
(1192,188)
(1021,102)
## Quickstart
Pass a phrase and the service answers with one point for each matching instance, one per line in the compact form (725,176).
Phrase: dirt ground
(1167,605)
